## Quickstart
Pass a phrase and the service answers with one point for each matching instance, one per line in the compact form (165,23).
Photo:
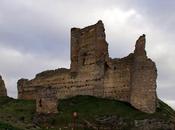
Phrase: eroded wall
(117,79)
(143,79)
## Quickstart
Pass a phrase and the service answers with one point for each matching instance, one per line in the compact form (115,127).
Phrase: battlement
(131,79)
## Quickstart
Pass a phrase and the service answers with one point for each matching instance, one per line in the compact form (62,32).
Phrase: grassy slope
(19,113)
(16,112)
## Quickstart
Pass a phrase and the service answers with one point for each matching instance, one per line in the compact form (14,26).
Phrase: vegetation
(4,126)
(19,114)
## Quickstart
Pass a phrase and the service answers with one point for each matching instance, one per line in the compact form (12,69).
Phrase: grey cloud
(29,30)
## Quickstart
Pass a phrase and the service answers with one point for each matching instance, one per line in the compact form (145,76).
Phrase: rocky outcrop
(3,91)
(131,79)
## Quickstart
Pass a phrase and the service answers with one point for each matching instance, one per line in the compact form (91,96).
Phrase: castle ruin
(131,79)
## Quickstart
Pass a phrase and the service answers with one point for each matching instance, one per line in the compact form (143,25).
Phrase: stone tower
(89,53)
(3,91)
(143,79)
(88,47)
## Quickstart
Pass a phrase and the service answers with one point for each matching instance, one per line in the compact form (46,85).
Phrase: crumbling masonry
(93,72)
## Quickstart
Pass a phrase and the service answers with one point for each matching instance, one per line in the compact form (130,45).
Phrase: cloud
(35,35)
(15,65)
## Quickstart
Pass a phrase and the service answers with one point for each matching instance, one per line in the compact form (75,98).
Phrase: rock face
(3,91)
(93,72)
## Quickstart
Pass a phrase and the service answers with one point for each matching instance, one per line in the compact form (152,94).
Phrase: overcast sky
(35,35)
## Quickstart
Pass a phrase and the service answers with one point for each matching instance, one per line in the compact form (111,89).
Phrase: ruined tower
(89,53)
(88,46)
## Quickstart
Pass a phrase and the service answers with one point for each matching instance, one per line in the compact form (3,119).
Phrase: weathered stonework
(93,72)
(144,74)
(3,91)
(46,101)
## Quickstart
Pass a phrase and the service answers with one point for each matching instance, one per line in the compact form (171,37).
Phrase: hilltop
(92,113)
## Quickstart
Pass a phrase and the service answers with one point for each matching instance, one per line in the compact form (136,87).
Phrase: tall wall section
(143,79)
(117,79)
(89,50)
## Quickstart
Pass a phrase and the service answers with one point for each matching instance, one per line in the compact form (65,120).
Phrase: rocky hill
(92,114)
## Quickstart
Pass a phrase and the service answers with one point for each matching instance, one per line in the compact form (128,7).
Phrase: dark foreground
(93,114)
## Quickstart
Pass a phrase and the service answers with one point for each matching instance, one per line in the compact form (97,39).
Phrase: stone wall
(46,101)
(3,91)
(93,72)
(26,90)
(117,79)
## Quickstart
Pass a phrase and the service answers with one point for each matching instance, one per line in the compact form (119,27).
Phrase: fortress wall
(46,101)
(83,84)
(29,94)
(117,79)
(65,84)
(143,92)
